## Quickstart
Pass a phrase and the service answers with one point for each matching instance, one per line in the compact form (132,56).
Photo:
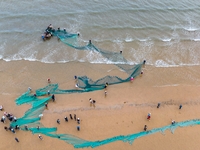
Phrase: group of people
(72,118)
(11,118)
(149,116)
(47,34)
(92,102)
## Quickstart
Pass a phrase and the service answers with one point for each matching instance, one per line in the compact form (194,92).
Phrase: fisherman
(66,119)
(145,127)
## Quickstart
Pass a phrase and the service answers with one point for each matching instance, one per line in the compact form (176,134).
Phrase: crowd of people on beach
(12,118)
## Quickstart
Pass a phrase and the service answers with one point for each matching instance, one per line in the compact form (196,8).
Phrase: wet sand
(123,111)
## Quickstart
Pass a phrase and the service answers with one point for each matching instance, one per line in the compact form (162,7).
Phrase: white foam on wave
(196,40)
(49,57)
(117,41)
(129,39)
(13,58)
(143,40)
(62,61)
(162,63)
(32,57)
(191,29)
(166,40)
(94,57)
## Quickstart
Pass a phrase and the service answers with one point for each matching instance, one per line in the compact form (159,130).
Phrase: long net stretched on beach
(32,120)
(32,117)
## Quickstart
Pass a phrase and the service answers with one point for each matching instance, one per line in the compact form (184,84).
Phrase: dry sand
(123,111)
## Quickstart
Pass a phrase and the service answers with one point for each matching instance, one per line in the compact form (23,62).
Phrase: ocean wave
(196,40)
(191,29)
(166,40)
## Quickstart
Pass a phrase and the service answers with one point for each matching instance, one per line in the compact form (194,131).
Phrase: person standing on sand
(76,85)
(78,128)
(6,128)
(173,122)
(145,127)
(105,92)
(12,130)
(106,85)
(180,106)
(71,116)
(40,137)
(29,88)
(46,105)
(93,102)
(16,139)
(75,77)
(149,116)
(75,117)
(3,118)
(26,127)
(1,107)
(78,120)
(158,105)
(58,121)
(53,97)
(66,119)
(17,127)
(90,102)
(131,79)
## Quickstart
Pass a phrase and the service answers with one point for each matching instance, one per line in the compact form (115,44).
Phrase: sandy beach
(122,112)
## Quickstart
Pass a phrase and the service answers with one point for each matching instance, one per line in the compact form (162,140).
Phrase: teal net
(32,117)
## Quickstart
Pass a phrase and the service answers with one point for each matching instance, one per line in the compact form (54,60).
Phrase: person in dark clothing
(66,119)
(40,137)
(6,128)
(71,116)
(158,105)
(53,97)
(78,120)
(17,127)
(145,127)
(16,139)
(78,128)
(26,127)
